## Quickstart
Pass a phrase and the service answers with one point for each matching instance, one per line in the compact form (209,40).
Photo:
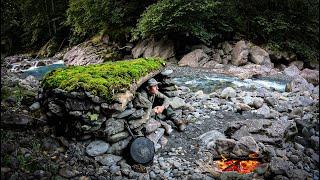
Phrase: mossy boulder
(103,80)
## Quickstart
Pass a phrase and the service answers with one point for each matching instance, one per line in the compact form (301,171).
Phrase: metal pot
(140,149)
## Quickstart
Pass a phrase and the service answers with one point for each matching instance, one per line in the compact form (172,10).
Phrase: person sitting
(157,103)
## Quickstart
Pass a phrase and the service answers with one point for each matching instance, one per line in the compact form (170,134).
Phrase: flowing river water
(194,79)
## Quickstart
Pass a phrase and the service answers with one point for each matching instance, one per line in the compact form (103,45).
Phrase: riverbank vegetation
(282,25)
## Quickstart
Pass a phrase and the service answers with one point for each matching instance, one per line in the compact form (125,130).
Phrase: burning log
(242,164)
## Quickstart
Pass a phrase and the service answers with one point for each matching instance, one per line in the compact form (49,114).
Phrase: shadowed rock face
(240,53)
(151,48)
(195,58)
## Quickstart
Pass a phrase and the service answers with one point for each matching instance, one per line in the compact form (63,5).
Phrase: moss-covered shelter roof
(103,80)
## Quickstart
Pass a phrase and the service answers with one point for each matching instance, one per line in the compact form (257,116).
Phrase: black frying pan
(141,149)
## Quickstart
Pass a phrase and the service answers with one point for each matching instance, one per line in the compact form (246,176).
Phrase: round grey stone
(96,148)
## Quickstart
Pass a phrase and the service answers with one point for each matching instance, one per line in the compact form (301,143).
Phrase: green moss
(103,80)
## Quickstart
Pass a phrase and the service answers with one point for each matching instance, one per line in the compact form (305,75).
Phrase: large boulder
(195,58)
(312,76)
(226,47)
(152,48)
(203,47)
(298,64)
(248,70)
(300,84)
(291,71)
(260,56)
(239,54)
(83,54)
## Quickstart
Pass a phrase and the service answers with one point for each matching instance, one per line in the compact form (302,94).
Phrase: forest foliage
(282,25)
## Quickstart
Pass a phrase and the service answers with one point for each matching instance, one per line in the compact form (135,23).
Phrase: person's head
(152,86)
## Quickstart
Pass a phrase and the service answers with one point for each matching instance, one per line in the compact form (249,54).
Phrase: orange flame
(241,166)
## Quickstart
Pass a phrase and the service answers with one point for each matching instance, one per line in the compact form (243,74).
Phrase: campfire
(242,165)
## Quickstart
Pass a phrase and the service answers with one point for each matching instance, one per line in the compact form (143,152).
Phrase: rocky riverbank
(282,126)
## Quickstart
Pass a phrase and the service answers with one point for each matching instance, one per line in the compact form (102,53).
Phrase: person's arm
(166,100)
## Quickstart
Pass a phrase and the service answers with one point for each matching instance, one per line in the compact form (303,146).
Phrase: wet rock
(108,159)
(228,92)
(97,148)
(208,139)
(245,146)
(240,53)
